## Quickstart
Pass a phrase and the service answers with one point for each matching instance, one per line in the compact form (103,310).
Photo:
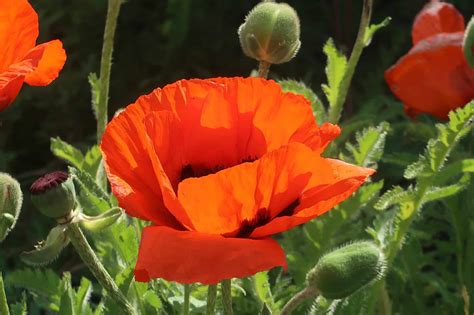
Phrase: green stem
(106,65)
(385,306)
(3,298)
(211,299)
(226,286)
(300,297)
(263,69)
(88,256)
(187,294)
(336,110)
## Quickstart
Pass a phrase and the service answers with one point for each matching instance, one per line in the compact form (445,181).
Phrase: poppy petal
(254,193)
(441,57)
(11,82)
(190,257)
(18,31)
(131,166)
(49,58)
(326,190)
(435,18)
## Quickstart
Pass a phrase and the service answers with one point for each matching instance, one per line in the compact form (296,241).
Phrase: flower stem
(187,294)
(300,297)
(263,69)
(88,256)
(113,11)
(226,286)
(211,299)
(336,110)
(3,298)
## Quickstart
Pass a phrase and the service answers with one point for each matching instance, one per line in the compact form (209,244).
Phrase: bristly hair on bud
(11,200)
(271,33)
(345,270)
(54,194)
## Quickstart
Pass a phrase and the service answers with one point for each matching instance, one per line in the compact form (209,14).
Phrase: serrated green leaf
(369,146)
(373,28)
(66,306)
(45,283)
(82,296)
(392,197)
(335,69)
(95,92)
(416,169)
(66,152)
(300,88)
(92,161)
(263,290)
(454,169)
(436,193)
(93,199)
(49,250)
(19,308)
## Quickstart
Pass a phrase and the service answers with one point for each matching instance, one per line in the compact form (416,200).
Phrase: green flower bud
(54,194)
(11,199)
(468,43)
(271,33)
(345,270)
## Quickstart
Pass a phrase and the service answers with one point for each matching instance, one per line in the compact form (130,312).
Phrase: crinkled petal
(239,199)
(190,257)
(433,77)
(436,18)
(133,168)
(325,193)
(18,31)
(11,82)
(49,59)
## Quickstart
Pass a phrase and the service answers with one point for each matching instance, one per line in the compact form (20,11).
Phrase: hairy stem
(263,69)
(3,298)
(106,65)
(227,296)
(300,297)
(88,256)
(211,299)
(336,110)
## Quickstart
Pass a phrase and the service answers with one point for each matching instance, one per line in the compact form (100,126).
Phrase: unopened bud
(11,199)
(271,33)
(54,194)
(345,270)
(468,43)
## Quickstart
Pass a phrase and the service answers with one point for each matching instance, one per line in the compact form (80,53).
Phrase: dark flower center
(189,170)
(47,182)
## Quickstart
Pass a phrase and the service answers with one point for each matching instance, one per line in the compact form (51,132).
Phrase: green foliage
(47,251)
(335,69)
(373,28)
(263,290)
(66,152)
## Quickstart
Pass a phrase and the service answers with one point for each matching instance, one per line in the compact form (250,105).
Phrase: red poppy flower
(20,59)
(218,166)
(434,76)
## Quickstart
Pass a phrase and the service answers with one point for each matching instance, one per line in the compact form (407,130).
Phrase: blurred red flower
(218,166)
(434,76)
(20,59)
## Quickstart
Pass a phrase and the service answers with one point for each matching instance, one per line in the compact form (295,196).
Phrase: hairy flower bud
(468,43)
(345,270)
(54,194)
(11,199)
(271,33)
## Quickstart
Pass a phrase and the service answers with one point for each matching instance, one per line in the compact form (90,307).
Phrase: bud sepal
(11,200)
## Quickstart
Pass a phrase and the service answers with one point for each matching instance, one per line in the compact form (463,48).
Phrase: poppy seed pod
(11,199)
(468,43)
(271,33)
(54,194)
(345,270)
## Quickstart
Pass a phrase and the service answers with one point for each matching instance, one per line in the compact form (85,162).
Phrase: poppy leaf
(373,28)
(83,295)
(66,152)
(436,193)
(19,308)
(67,306)
(335,70)
(92,198)
(263,290)
(48,250)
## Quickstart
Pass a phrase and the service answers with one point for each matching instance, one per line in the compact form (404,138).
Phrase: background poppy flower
(20,59)
(218,166)
(434,76)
